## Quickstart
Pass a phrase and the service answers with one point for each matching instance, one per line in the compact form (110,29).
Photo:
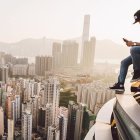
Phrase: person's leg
(125,63)
(135,54)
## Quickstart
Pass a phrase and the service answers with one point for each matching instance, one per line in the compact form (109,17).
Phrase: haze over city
(58,60)
(61,19)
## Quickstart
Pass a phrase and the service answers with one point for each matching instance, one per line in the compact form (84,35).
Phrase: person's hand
(130,43)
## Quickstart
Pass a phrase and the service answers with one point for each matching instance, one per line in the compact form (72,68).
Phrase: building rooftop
(126,112)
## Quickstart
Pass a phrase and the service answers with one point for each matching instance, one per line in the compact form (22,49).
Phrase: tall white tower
(85,35)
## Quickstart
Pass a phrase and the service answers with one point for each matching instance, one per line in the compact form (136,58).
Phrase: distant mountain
(105,49)
(29,47)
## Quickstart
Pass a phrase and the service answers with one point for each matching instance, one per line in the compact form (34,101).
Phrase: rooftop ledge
(102,126)
(130,107)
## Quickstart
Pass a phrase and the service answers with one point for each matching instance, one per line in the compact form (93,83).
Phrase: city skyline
(35,19)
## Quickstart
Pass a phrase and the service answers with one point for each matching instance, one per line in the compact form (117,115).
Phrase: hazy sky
(62,19)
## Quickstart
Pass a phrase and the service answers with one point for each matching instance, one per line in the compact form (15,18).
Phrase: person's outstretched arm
(131,43)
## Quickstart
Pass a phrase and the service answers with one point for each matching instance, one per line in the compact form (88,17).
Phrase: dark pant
(125,63)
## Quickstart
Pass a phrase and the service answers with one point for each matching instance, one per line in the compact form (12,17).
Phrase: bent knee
(124,63)
(134,49)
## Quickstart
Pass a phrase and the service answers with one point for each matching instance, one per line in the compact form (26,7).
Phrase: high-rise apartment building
(20,70)
(41,120)
(85,35)
(94,95)
(3,94)
(23,61)
(8,58)
(69,53)
(72,108)
(10,107)
(88,54)
(48,117)
(42,64)
(26,125)
(4,74)
(1,121)
(79,122)
(17,107)
(51,95)
(10,129)
(56,53)
(31,69)
(34,111)
(63,122)
(53,133)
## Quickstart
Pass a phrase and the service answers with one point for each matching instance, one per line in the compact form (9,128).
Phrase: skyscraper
(10,107)
(17,107)
(1,121)
(42,64)
(48,117)
(41,120)
(63,121)
(34,111)
(72,108)
(85,35)
(79,122)
(51,95)
(88,53)
(4,73)
(53,133)
(56,53)
(26,125)
(10,129)
(69,53)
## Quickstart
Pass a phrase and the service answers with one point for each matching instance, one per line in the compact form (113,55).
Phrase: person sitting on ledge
(134,59)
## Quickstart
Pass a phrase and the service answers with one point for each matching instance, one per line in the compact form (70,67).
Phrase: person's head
(137,17)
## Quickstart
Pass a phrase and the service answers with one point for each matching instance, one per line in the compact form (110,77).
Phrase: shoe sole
(135,80)
(117,89)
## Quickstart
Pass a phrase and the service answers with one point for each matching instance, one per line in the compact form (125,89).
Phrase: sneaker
(118,87)
(136,76)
